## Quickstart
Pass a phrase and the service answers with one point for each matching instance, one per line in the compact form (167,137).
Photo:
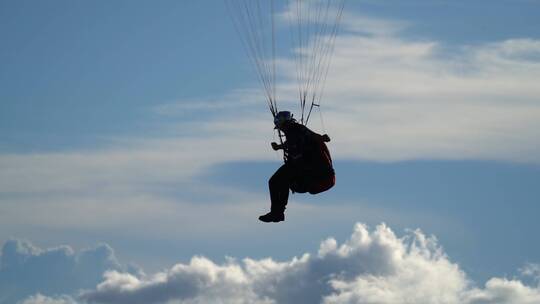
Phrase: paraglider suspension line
(313,104)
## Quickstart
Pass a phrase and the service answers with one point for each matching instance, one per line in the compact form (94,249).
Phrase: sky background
(134,138)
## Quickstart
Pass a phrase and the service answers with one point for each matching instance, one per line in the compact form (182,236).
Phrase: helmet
(283,117)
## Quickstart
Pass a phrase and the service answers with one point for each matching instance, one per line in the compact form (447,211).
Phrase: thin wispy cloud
(41,299)
(388,98)
(391,98)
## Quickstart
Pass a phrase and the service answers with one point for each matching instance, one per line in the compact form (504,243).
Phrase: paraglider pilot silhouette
(307,167)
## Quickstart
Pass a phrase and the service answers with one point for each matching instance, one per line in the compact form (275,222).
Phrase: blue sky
(140,126)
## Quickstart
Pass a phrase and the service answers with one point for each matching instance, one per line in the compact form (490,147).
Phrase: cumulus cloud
(372,266)
(27,270)
(500,290)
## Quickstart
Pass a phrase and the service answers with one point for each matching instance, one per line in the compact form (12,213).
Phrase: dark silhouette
(307,167)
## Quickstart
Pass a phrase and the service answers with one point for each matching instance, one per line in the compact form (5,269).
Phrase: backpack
(319,177)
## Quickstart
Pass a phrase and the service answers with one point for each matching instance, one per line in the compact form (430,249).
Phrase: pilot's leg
(279,188)
(279,194)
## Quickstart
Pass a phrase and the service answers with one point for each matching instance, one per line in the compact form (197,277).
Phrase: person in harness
(307,168)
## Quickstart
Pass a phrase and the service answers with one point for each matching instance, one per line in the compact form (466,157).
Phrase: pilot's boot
(272,216)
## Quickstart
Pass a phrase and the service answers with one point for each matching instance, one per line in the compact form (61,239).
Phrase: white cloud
(500,290)
(387,98)
(531,269)
(41,299)
(373,26)
(393,99)
(27,270)
(238,100)
(370,267)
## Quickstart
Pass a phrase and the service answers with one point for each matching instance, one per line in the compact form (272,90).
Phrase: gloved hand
(275,146)
(326,138)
